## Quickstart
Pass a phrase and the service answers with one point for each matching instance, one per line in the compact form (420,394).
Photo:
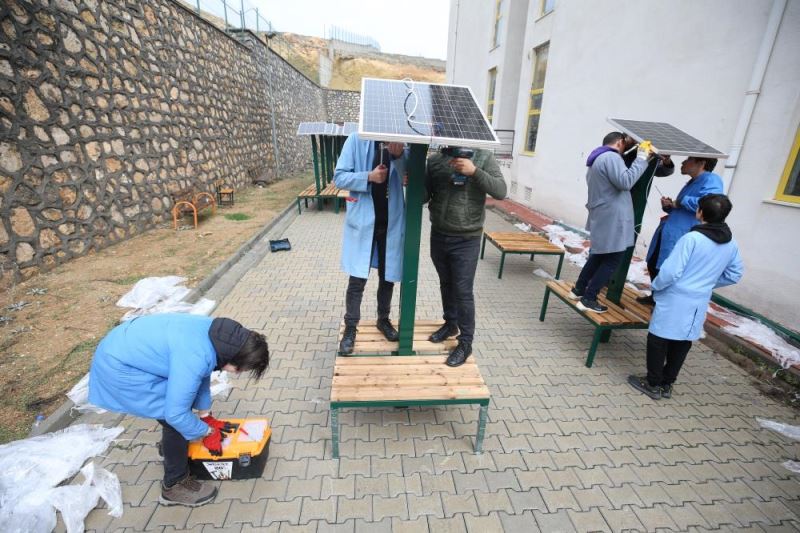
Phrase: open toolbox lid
(249,439)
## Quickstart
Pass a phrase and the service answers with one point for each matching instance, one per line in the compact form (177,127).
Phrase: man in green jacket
(457,185)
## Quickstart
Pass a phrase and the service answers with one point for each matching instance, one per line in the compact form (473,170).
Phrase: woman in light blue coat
(374,227)
(705,258)
(159,366)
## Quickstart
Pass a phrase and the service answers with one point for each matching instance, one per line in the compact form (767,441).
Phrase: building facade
(724,71)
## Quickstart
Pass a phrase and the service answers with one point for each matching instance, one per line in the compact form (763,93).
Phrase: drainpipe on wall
(455,41)
(753,90)
(276,153)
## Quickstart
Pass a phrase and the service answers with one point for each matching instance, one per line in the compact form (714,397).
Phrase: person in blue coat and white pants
(159,366)
(681,212)
(705,258)
(374,228)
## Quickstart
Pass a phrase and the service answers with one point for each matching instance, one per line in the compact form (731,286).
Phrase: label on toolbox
(219,470)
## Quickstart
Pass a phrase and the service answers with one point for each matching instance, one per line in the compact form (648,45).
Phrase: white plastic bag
(162,295)
(107,486)
(793,432)
(793,466)
(219,382)
(79,394)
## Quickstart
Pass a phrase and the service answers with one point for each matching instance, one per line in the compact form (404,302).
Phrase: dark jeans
(596,272)
(175,449)
(456,259)
(653,261)
(665,358)
(355,287)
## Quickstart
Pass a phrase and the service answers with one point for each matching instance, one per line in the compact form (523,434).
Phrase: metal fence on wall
(235,14)
(336,33)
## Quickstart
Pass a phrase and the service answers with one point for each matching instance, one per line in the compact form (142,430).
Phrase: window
(547,6)
(537,91)
(789,188)
(513,188)
(498,23)
(492,85)
(528,194)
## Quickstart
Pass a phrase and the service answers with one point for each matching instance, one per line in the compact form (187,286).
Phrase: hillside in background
(303,52)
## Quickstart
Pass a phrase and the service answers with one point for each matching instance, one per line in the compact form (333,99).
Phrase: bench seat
(517,242)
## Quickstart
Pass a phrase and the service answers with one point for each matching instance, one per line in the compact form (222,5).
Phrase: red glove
(213,422)
(213,442)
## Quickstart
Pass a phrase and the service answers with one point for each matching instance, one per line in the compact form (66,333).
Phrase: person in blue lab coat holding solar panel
(374,229)
(704,259)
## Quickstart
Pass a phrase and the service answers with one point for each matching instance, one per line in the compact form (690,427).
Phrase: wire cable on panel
(412,91)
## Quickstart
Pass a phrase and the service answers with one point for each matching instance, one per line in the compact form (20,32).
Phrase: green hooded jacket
(459,210)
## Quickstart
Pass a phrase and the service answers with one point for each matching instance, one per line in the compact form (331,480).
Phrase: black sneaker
(443,333)
(641,384)
(591,305)
(385,326)
(646,300)
(459,354)
(348,340)
(666,391)
(574,295)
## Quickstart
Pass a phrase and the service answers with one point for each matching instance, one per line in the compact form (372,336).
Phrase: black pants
(355,286)
(596,272)
(175,449)
(652,270)
(665,358)
(456,259)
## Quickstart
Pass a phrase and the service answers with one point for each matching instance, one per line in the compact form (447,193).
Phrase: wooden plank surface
(369,340)
(400,378)
(311,190)
(629,312)
(519,242)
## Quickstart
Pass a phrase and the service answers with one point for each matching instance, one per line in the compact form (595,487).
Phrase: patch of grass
(237,216)
(128,280)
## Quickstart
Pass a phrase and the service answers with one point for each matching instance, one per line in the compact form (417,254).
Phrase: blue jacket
(156,366)
(682,218)
(352,168)
(682,289)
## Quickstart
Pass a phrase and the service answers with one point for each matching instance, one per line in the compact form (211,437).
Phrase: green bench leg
(532,256)
(481,428)
(299,211)
(502,261)
(543,312)
(483,245)
(336,204)
(335,431)
(606,336)
(598,333)
(319,203)
(560,264)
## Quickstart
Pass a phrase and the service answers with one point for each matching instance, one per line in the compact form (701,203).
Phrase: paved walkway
(567,448)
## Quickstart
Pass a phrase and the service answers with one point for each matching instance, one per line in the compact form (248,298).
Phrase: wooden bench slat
(368,394)
(412,360)
(399,371)
(615,315)
(405,380)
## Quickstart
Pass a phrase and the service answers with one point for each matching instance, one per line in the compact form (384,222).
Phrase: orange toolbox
(244,452)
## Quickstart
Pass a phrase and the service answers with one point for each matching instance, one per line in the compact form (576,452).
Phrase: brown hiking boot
(188,492)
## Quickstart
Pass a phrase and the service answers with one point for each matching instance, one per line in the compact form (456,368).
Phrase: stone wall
(107,108)
(342,106)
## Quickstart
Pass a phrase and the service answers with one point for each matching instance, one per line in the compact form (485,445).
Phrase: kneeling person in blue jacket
(159,366)
(705,258)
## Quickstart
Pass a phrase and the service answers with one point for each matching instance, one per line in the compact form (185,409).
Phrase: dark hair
(612,137)
(253,356)
(709,163)
(715,207)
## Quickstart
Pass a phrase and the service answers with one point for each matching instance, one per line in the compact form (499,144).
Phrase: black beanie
(228,337)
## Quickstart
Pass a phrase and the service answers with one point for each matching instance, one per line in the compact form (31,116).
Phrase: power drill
(456,151)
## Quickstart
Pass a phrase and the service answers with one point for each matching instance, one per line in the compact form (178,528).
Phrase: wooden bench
(370,341)
(330,191)
(225,193)
(405,381)
(189,200)
(628,315)
(522,243)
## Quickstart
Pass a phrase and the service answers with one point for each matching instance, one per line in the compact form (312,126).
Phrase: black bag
(280,244)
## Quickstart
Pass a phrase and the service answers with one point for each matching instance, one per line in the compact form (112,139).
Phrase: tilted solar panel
(666,138)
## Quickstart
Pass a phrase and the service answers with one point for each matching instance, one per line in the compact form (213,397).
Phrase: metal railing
(506,148)
(235,14)
(336,33)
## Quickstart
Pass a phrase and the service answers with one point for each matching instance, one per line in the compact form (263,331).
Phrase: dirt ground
(53,321)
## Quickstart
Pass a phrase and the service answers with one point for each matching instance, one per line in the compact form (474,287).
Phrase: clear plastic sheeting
(563,237)
(79,394)
(31,470)
(161,295)
(793,432)
(523,226)
(542,274)
(757,333)
(792,466)
(219,382)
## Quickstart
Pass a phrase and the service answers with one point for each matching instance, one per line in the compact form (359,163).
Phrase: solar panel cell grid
(666,138)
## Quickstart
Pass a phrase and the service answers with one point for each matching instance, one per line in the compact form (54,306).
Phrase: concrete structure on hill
(724,71)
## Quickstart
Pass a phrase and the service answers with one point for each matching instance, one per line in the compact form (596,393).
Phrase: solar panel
(666,138)
(422,113)
(330,129)
(311,128)
(349,127)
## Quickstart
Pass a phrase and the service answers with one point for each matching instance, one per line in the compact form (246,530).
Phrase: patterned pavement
(567,448)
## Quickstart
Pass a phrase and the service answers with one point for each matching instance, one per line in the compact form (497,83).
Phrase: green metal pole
(323,164)
(316,161)
(331,159)
(415,191)
(639,194)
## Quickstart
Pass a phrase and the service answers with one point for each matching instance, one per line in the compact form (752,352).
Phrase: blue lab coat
(682,217)
(682,289)
(355,163)
(157,366)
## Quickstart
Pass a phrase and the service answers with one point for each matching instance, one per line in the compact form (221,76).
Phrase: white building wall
(683,62)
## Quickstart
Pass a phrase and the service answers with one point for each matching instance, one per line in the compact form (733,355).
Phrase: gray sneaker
(666,391)
(640,383)
(188,492)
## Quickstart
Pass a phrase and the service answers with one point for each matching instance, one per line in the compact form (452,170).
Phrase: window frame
(534,92)
(792,162)
(498,15)
(491,95)
(542,6)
